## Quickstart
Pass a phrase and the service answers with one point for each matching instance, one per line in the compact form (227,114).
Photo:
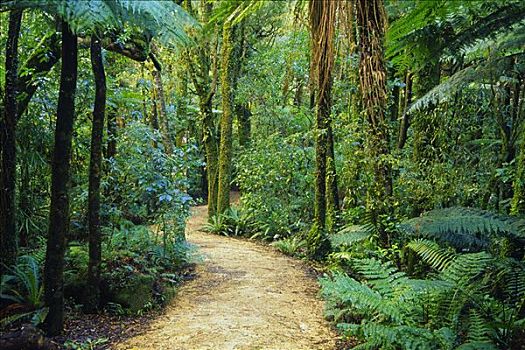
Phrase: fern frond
(341,289)
(351,235)
(379,336)
(466,267)
(383,277)
(432,253)
(479,330)
(463,228)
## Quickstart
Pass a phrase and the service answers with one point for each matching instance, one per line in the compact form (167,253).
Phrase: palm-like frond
(162,19)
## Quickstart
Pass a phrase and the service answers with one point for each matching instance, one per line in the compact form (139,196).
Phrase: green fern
(471,299)
(464,228)
(351,235)
(290,246)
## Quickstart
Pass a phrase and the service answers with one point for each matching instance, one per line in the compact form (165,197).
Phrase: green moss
(137,294)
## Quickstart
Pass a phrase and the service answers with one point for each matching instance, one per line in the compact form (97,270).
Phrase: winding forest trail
(245,296)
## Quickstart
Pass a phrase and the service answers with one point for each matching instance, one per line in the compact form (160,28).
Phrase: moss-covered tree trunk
(60,178)
(163,115)
(211,148)
(332,191)
(92,299)
(371,20)
(322,26)
(225,147)
(518,199)
(8,234)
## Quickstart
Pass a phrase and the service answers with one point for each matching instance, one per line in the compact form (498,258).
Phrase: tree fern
(162,19)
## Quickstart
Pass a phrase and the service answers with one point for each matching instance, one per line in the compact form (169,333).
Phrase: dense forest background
(383,139)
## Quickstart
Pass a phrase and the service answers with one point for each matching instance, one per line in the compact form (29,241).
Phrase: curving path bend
(245,296)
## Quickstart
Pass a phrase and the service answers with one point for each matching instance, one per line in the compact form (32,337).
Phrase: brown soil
(245,296)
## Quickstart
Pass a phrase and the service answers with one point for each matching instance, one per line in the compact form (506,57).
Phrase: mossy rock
(137,294)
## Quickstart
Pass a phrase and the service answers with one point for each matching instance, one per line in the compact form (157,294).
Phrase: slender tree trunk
(322,23)
(394,111)
(518,199)
(8,236)
(163,116)
(405,121)
(95,237)
(332,192)
(60,178)
(203,72)
(371,20)
(211,148)
(225,148)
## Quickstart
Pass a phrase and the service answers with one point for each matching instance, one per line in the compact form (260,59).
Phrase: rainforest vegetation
(380,141)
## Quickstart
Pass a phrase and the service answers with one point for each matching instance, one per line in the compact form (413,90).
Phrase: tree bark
(204,75)
(92,301)
(211,148)
(8,235)
(225,148)
(322,26)
(60,178)
(371,20)
(163,116)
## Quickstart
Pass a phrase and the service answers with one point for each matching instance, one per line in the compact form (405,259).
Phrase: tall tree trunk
(211,148)
(518,199)
(8,237)
(371,20)
(405,121)
(322,24)
(60,178)
(332,191)
(225,148)
(163,116)
(203,72)
(92,300)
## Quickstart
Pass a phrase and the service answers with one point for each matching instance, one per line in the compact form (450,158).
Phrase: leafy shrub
(291,245)
(144,182)
(233,222)
(275,179)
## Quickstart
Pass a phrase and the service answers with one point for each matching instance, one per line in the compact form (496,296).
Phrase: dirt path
(245,296)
